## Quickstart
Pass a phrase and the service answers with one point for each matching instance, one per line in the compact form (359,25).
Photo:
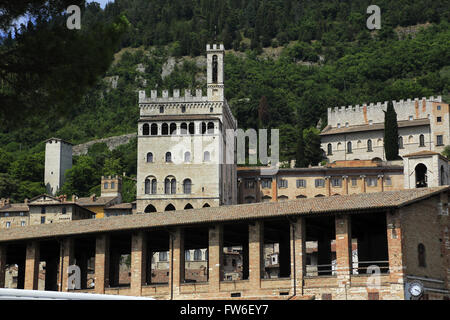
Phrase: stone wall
(111,142)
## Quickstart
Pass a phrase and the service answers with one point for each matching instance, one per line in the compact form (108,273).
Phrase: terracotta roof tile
(348,203)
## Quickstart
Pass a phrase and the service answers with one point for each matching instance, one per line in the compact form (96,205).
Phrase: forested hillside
(287,62)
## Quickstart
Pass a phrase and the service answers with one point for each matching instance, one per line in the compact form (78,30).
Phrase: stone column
(256,253)
(215,257)
(101,263)
(32,265)
(66,260)
(298,255)
(258,189)
(343,254)
(328,185)
(2,265)
(138,262)
(363,183)
(395,253)
(380,182)
(345,178)
(176,269)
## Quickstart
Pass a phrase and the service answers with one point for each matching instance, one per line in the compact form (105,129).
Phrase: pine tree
(263,113)
(391,133)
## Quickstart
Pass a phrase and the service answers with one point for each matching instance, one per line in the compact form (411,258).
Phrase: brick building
(401,234)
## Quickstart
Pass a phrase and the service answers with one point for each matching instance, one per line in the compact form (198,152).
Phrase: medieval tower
(182,147)
(58,159)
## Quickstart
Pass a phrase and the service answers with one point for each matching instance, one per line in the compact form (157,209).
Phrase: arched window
(150,208)
(187,255)
(421,255)
(214,69)
(147,186)
(168,157)
(206,156)
(329,149)
(211,127)
(197,255)
(203,128)
(150,185)
(266,198)
(300,196)
(191,128)
(249,199)
(170,207)
(187,156)
(173,186)
(421,140)
(206,205)
(349,147)
(184,128)
(319,196)
(400,142)
(154,129)
(187,185)
(167,186)
(163,256)
(149,157)
(173,128)
(369,145)
(165,129)
(145,129)
(188,206)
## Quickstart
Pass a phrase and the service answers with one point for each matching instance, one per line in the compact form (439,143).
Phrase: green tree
(313,152)
(300,158)
(391,133)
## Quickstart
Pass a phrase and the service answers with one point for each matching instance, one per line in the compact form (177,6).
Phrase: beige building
(182,146)
(13,214)
(357,133)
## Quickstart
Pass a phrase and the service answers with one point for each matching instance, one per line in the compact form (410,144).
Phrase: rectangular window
(42,220)
(354,182)
(6,214)
(336,182)
(112,185)
(439,119)
(439,140)
(266,183)
(8,224)
(320,183)
(105,185)
(372,182)
(42,209)
(301,183)
(22,223)
(282,183)
(249,184)
(388,181)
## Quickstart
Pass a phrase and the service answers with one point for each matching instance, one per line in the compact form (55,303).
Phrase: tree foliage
(391,145)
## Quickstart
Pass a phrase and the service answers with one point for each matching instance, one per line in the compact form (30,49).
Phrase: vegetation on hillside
(327,58)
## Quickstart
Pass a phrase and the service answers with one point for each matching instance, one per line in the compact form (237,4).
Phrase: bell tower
(214,55)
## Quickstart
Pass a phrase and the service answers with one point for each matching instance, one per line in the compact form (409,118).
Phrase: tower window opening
(214,69)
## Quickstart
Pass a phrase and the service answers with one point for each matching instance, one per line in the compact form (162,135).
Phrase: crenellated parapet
(372,113)
(176,96)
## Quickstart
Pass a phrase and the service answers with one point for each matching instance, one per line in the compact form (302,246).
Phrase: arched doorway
(169,207)
(188,206)
(421,175)
(150,208)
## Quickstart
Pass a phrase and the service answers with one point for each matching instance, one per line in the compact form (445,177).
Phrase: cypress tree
(300,160)
(391,133)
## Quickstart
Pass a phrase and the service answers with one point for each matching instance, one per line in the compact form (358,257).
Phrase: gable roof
(365,202)
(99,201)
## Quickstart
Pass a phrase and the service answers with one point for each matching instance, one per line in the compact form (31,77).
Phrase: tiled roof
(99,201)
(328,130)
(120,206)
(308,206)
(15,207)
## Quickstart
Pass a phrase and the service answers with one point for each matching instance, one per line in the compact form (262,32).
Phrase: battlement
(176,97)
(369,113)
(379,105)
(214,47)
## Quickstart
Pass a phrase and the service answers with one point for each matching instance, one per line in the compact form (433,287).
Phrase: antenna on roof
(215,33)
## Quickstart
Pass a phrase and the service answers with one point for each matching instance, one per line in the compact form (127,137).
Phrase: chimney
(7,201)
(25,201)
(93,197)
(74,198)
